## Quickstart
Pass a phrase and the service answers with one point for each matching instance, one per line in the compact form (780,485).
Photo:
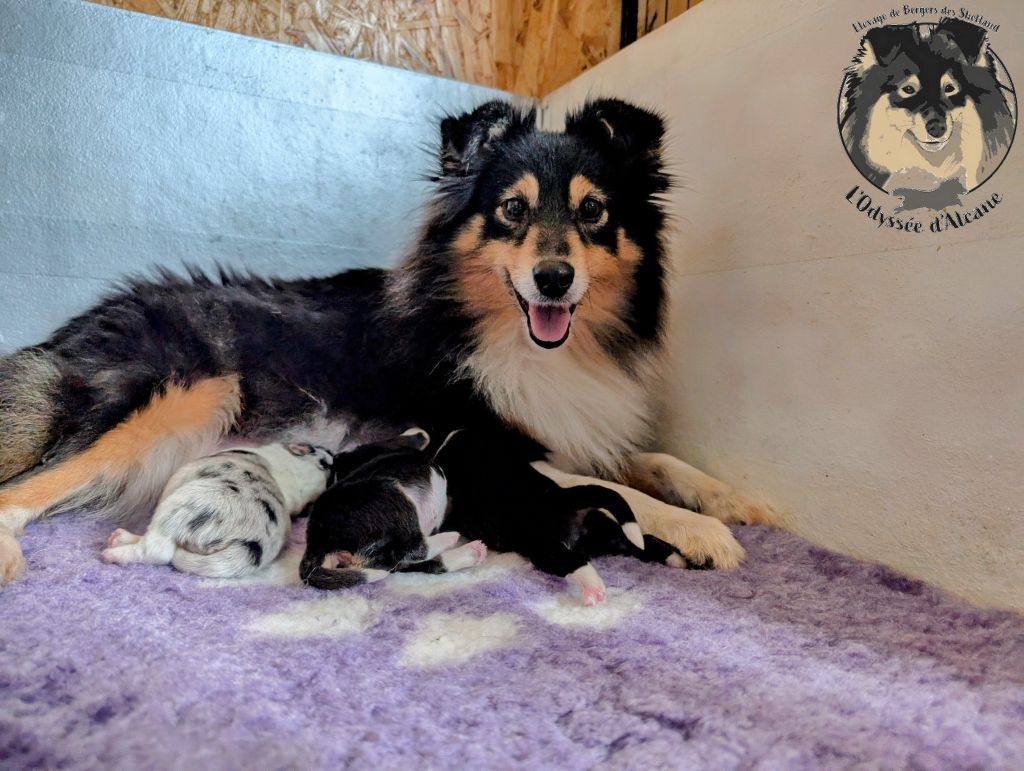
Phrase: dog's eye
(950,88)
(514,209)
(591,209)
(909,90)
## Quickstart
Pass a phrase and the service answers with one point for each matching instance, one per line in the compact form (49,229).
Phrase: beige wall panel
(871,381)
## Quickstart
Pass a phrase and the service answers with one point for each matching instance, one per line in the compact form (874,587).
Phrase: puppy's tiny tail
(238,558)
(319,577)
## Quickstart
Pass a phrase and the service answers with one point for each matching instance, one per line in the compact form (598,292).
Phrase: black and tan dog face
(551,225)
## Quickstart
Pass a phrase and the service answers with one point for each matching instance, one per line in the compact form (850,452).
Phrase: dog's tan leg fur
(136,457)
(698,537)
(671,480)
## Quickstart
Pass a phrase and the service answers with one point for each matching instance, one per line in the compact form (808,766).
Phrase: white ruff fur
(584,409)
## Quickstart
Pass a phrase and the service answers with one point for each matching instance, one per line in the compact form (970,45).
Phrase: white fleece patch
(426,585)
(563,609)
(336,616)
(447,638)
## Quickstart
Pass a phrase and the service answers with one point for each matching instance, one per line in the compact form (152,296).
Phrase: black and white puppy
(559,529)
(380,515)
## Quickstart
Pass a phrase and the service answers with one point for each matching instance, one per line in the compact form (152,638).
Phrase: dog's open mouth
(548,324)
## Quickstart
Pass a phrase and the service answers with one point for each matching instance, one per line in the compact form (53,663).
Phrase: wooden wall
(526,46)
(651,14)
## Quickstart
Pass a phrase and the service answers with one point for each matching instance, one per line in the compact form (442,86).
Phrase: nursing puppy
(380,515)
(228,514)
(559,529)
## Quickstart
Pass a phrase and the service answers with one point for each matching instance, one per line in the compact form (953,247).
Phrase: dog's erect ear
(968,38)
(629,131)
(883,44)
(467,139)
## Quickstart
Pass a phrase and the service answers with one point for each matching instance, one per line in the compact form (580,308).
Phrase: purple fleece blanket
(800,659)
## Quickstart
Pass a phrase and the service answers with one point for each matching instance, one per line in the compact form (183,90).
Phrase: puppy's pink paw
(585,583)
(479,551)
(121,537)
(592,595)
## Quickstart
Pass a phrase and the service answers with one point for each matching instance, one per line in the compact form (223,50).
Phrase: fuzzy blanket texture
(800,659)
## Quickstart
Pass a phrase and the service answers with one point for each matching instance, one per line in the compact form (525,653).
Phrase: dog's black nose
(936,127)
(553,277)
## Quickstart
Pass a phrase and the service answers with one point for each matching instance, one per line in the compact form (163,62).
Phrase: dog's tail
(316,575)
(29,408)
(591,497)
(236,559)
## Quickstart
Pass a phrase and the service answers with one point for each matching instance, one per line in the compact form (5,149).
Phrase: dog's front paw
(703,541)
(671,480)
(737,508)
(12,561)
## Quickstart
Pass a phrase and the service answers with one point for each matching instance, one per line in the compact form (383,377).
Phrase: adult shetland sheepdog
(923,114)
(532,305)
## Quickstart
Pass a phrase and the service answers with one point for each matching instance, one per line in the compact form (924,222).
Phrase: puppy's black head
(554,232)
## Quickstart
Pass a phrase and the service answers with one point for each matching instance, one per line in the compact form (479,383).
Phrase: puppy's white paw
(477,550)
(441,542)
(466,556)
(587,584)
(676,561)
(12,561)
(592,595)
(122,537)
(119,555)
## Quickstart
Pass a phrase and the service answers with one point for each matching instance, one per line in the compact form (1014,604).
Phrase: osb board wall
(651,14)
(525,46)
(540,45)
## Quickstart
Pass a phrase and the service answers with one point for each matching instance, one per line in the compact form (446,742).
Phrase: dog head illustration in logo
(927,112)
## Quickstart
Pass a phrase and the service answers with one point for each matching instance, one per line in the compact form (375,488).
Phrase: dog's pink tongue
(549,322)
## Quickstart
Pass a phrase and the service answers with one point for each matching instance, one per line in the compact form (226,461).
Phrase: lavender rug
(801,659)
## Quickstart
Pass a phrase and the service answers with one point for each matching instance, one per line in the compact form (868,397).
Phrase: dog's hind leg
(669,479)
(703,541)
(153,548)
(126,468)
